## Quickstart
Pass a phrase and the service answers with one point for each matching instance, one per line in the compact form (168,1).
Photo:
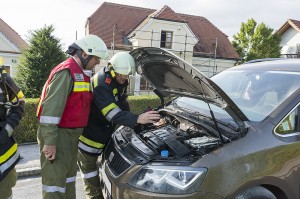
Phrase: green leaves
(256,41)
(43,54)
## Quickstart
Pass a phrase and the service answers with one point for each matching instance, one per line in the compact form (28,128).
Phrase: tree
(256,42)
(44,53)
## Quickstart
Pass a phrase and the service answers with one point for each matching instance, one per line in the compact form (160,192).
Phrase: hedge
(26,131)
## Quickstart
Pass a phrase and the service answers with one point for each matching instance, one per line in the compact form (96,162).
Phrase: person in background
(12,102)
(109,108)
(63,111)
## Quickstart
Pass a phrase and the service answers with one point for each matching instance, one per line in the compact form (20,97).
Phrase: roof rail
(262,60)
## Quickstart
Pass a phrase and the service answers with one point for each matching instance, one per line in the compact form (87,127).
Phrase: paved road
(31,188)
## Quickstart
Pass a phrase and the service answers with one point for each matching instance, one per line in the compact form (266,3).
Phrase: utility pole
(215,57)
(113,42)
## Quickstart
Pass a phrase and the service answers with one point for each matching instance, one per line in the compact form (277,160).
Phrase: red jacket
(77,108)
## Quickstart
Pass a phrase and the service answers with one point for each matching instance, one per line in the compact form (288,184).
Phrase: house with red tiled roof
(193,38)
(290,39)
(11,45)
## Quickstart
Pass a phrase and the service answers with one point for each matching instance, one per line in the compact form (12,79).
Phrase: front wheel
(257,192)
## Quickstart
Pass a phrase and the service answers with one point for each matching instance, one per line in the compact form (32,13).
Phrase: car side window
(290,124)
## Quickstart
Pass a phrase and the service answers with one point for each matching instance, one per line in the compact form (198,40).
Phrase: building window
(166,39)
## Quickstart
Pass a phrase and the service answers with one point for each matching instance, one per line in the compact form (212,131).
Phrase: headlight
(167,180)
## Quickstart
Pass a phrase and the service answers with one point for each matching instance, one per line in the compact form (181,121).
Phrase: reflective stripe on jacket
(77,107)
(9,157)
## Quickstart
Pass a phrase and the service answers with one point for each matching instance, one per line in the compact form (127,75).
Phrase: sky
(69,16)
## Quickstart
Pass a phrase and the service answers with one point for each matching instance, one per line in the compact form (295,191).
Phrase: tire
(257,192)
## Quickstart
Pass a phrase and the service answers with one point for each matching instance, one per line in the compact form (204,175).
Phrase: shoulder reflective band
(81,86)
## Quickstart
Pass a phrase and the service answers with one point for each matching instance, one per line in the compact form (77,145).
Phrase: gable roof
(290,23)
(124,19)
(166,13)
(12,35)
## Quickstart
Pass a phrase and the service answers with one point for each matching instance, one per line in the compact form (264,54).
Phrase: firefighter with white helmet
(63,111)
(109,108)
(11,111)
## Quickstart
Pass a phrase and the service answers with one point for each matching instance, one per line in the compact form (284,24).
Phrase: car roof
(271,65)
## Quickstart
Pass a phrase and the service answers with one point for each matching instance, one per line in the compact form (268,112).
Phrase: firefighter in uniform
(11,111)
(63,112)
(109,108)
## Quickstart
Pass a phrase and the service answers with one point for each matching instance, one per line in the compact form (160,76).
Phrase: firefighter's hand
(49,151)
(148,117)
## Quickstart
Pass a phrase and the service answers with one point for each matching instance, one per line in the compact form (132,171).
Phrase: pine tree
(42,55)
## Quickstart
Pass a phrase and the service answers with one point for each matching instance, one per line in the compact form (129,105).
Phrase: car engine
(178,137)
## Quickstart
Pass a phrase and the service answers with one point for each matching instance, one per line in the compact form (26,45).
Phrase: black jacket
(109,108)
(10,115)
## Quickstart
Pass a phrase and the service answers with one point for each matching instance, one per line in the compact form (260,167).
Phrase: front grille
(115,162)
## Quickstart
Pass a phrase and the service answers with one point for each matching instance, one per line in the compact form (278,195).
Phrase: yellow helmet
(123,63)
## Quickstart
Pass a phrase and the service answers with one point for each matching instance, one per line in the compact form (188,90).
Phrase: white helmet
(91,45)
(123,63)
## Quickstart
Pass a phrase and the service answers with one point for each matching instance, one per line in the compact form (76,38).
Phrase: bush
(138,104)
(27,129)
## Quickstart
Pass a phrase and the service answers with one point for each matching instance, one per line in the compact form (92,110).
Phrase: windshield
(199,106)
(257,93)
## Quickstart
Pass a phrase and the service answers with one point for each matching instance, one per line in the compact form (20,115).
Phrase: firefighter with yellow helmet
(109,107)
(63,111)
(11,111)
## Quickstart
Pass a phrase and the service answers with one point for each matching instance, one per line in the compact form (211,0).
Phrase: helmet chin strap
(84,62)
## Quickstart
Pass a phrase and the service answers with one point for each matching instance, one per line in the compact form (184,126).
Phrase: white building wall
(10,53)
(150,36)
(289,41)
(210,67)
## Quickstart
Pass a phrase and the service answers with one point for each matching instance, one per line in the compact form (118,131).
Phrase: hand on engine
(148,117)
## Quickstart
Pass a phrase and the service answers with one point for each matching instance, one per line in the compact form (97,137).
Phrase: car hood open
(170,74)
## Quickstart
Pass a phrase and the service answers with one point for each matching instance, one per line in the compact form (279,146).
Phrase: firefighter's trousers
(7,184)
(59,177)
(90,174)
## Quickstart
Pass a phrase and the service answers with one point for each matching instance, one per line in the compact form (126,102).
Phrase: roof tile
(167,13)
(289,23)
(12,35)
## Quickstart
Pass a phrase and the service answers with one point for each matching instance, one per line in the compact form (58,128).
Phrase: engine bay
(174,137)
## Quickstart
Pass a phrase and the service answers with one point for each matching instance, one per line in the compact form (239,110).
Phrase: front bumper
(117,188)
(116,171)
